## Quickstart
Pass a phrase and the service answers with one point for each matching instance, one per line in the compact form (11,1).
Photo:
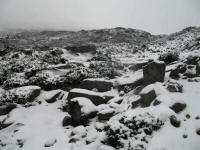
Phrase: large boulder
(154,72)
(95,97)
(81,110)
(101,85)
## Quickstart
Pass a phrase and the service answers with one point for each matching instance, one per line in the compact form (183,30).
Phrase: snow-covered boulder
(154,72)
(95,97)
(101,85)
(81,109)
(21,95)
(148,94)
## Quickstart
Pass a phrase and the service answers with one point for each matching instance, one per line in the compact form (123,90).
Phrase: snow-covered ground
(40,126)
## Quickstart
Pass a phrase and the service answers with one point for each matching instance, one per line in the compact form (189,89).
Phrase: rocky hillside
(100,89)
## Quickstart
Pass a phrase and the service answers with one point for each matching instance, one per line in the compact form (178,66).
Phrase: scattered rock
(154,72)
(20,142)
(156,102)
(67,121)
(5,109)
(197,117)
(95,97)
(198,131)
(185,136)
(148,94)
(187,116)
(73,140)
(121,93)
(100,84)
(175,122)
(178,107)
(50,142)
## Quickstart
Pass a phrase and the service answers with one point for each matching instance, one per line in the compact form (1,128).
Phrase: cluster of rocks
(190,68)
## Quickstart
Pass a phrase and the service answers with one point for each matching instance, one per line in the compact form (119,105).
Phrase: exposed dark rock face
(174,121)
(147,98)
(178,107)
(154,72)
(100,85)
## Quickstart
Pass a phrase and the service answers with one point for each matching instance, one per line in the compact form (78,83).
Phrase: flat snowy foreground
(41,125)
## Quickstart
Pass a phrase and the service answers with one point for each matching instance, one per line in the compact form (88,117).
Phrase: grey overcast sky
(155,16)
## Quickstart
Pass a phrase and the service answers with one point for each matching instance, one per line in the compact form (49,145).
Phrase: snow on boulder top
(86,105)
(83,91)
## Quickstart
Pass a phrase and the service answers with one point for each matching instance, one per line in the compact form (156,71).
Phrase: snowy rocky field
(100,90)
